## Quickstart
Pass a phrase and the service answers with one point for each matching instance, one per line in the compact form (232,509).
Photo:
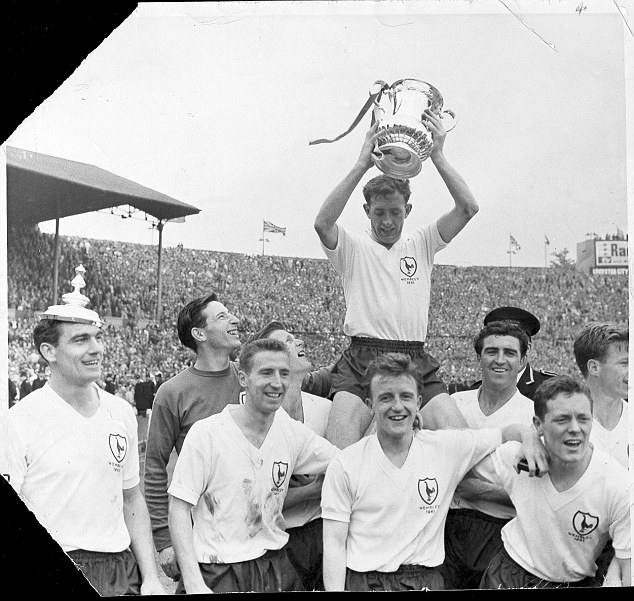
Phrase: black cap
(520,316)
(272,326)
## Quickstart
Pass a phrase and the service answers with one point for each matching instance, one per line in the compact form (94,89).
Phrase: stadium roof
(41,187)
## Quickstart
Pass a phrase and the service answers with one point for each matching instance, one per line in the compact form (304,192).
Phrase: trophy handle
(377,153)
(378,87)
(377,90)
(454,119)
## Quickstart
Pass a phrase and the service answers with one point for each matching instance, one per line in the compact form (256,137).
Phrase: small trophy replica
(74,307)
(405,141)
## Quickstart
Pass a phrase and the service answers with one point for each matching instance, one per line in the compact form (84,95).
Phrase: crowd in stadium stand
(305,294)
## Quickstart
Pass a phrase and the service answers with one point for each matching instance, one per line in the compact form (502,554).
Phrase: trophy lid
(74,307)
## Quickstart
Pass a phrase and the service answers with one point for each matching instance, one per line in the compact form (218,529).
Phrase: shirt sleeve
(484,442)
(496,467)
(339,257)
(620,529)
(336,494)
(437,243)
(315,453)
(504,458)
(131,476)
(162,435)
(13,454)
(192,469)
(620,532)
(431,238)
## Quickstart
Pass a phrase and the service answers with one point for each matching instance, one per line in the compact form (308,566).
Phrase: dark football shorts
(347,373)
(604,560)
(111,574)
(269,573)
(472,539)
(305,550)
(504,572)
(406,578)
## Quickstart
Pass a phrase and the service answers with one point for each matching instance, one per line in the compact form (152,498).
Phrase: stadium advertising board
(611,257)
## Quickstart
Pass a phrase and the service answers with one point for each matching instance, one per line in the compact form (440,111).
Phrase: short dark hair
(391,364)
(268,329)
(190,316)
(383,184)
(502,328)
(552,387)
(250,349)
(595,341)
(47,331)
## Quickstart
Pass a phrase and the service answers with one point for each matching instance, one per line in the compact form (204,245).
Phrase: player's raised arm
(466,206)
(333,206)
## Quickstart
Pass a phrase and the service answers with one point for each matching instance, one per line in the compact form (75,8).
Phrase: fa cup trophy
(404,140)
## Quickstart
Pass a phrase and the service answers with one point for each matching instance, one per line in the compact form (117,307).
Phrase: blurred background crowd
(305,294)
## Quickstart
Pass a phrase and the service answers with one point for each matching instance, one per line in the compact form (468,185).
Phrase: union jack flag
(274,229)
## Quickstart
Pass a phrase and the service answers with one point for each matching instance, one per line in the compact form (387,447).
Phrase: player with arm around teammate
(564,518)
(386,497)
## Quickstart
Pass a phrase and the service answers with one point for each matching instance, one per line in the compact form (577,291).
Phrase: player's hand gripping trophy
(410,117)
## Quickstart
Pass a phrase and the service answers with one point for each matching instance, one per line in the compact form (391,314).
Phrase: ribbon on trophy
(404,139)
(373,99)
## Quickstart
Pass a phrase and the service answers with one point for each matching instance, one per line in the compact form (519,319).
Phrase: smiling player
(565,518)
(386,277)
(602,355)
(78,462)
(479,510)
(302,512)
(231,479)
(209,329)
(386,497)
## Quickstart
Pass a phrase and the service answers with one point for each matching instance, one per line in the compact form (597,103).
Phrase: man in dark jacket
(144,394)
(13,392)
(158,380)
(110,383)
(39,381)
(25,385)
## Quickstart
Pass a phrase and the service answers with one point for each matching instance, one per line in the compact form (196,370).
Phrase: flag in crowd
(514,244)
(546,240)
(274,229)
